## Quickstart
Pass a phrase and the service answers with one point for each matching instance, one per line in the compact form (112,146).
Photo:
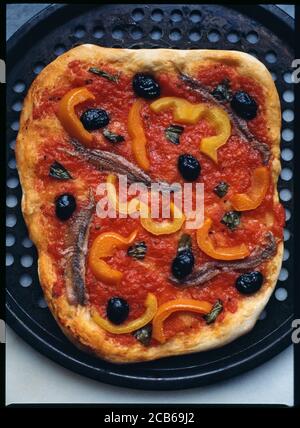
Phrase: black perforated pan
(263,31)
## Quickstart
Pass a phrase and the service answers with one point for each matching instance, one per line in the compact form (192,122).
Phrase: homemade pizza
(130,287)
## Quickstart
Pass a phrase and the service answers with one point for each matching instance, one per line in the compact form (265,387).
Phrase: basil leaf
(173,133)
(185,243)
(137,250)
(231,219)
(212,315)
(222,91)
(102,73)
(221,189)
(112,137)
(144,334)
(57,170)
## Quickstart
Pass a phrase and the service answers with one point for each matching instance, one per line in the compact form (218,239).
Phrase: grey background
(33,378)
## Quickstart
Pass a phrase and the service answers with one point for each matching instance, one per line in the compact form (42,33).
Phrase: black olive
(117,310)
(244,105)
(65,205)
(189,167)
(94,118)
(145,86)
(183,264)
(249,282)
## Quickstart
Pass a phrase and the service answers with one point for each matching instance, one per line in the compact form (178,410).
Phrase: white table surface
(33,378)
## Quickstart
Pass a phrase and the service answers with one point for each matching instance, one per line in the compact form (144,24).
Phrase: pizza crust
(75,321)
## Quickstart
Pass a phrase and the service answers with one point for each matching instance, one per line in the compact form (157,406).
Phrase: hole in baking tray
(17,106)
(274,76)
(12,144)
(288,77)
(25,280)
(287,154)
(286,255)
(138,14)
(136,33)
(176,15)
(11,201)
(271,57)
(263,315)
(286,174)
(157,15)
(12,163)
(117,33)
(42,303)
(252,37)
(38,67)
(79,32)
(27,243)
(156,33)
(175,34)
(213,36)
(98,32)
(12,182)
(285,195)
(10,240)
(15,125)
(11,220)
(287,214)
(288,134)
(26,260)
(9,259)
(286,234)
(19,87)
(288,115)
(253,53)
(233,37)
(194,35)
(288,96)
(59,49)
(195,16)
(281,294)
(284,274)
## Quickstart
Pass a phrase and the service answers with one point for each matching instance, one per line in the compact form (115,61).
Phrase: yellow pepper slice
(186,112)
(255,195)
(168,308)
(183,110)
(124,208)
(104,246)
(151,308)
(165,227)
(236,252)
(67,116)
(221,123)
(137,135)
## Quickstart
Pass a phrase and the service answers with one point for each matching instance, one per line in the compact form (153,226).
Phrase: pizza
(133,287)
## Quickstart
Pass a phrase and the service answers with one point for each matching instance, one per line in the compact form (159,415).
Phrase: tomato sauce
(236,162)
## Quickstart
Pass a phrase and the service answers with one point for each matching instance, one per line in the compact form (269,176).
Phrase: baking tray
(263,31)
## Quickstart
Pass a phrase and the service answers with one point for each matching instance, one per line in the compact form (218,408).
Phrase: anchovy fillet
(111,162)
(240,124)
(76,240)
(211,269)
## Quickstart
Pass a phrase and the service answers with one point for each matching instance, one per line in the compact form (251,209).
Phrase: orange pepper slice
(137,135)
(165,227)
(236,252)
(186,112)
(104,246)
(151,308)
(67,116)
(255,195)
(168,308)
